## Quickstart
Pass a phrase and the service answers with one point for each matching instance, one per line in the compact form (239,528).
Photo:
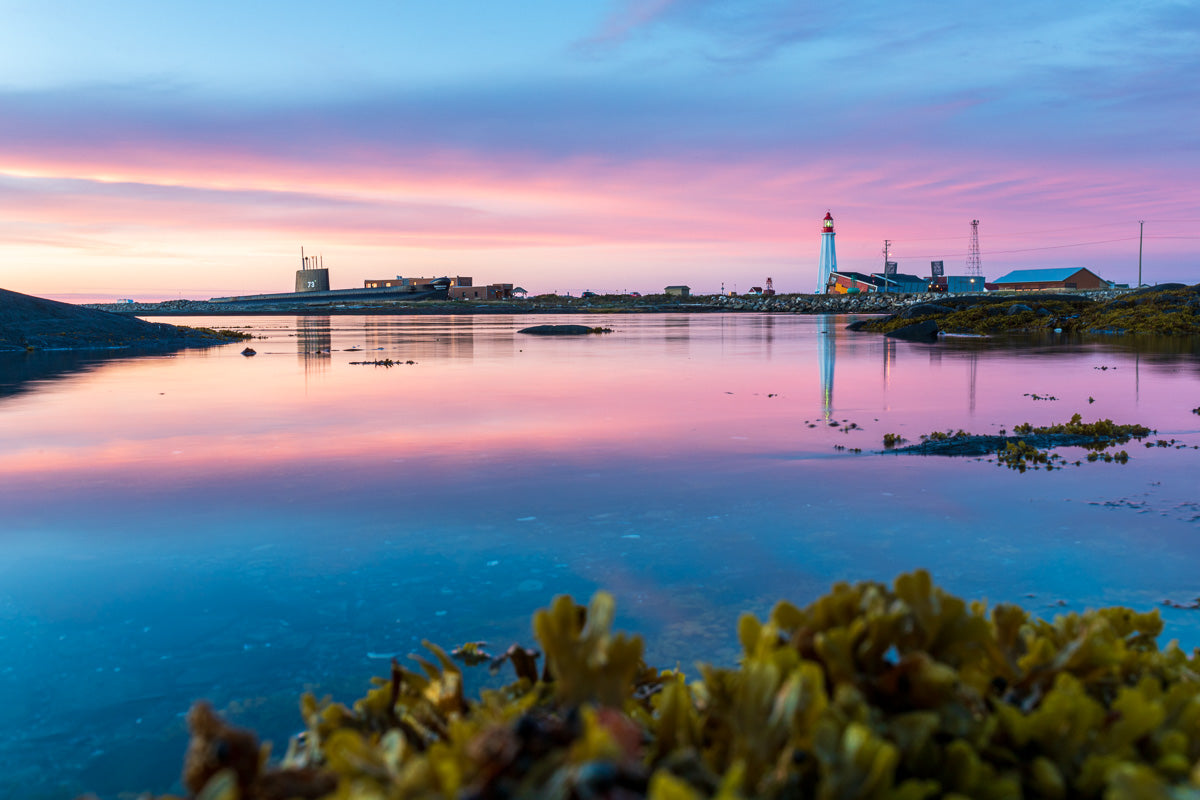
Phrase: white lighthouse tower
(828,255)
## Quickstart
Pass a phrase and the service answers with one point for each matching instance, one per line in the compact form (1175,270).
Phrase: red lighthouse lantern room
(827,225)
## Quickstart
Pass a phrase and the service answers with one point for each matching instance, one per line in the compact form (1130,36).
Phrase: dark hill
(34,323)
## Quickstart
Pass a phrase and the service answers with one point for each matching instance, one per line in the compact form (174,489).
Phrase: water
(247,529)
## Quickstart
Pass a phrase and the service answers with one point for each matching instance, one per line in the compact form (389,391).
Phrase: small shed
(678,291)
(1028,280)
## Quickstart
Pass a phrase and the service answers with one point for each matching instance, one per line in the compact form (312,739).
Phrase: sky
(190,149)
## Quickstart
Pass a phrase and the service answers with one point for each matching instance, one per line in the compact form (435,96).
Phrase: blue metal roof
(1038,275)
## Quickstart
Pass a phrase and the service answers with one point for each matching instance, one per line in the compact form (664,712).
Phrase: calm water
(245,529)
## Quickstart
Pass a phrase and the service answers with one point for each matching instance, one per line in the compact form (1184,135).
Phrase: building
(678,291)
(903,282)
(493,291)
(828,263)
(957,283)
(852,283)
(1028,280)
(391,283)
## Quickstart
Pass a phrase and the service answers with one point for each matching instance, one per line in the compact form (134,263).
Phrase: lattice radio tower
(973,265)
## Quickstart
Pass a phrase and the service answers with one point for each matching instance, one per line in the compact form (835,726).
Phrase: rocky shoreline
(34,323)
(871,303)
(1169,309)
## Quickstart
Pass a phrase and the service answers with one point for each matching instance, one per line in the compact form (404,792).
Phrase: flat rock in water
(925,331)
(558,330)
(984,444)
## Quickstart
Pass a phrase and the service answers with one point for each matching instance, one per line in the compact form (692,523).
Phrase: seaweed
(1030,446)
(1168,311)
(382,362)
(871,691)
(222,333)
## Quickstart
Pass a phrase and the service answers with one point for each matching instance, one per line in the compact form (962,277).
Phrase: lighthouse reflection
(827,353)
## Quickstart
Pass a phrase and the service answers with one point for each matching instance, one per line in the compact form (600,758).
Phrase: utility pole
(886,244)
(1141,226)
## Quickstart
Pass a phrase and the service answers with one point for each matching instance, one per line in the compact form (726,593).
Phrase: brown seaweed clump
(872,692)
(1031,446)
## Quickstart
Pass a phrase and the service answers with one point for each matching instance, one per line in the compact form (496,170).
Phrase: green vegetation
(890,440)
(1030,446)
(222,333)
(898,692)
(944,436)
(1172,310)
(1020,454)
(1104,431)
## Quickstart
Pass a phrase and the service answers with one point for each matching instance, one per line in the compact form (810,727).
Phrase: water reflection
(25,372)
(827,353)
(314,342)
(889,362)
(227,535)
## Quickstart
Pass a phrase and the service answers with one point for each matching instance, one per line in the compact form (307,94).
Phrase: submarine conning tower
(312,275)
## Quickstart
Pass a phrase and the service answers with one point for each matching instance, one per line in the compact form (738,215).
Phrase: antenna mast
(973,265)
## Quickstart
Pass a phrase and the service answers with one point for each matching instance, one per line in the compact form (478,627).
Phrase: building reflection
(314,341)
(973,367)
(889,361)
(424,338)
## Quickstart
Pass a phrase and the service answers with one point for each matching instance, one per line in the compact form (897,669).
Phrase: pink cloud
(634,14)
(695,213)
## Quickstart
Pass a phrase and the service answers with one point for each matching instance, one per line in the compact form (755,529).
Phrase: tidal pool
(244,529)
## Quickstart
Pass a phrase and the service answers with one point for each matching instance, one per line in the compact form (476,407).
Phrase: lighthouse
(828,255)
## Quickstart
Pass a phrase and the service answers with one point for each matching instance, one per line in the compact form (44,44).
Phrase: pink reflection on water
(662,387)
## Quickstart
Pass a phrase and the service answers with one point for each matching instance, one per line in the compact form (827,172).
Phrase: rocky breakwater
(872,303)
(543,304)
(177,308)
(1172,309)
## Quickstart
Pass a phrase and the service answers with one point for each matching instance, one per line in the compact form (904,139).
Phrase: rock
(249,351)
(925,309)
(925,331)
(559,330)
(35,323)
(857,325)
(1017,308)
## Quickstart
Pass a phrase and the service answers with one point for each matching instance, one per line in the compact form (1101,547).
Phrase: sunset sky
(156,150)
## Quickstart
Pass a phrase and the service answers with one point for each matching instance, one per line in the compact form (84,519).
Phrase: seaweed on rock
(900,692)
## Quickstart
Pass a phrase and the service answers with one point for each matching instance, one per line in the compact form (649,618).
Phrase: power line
(1044,230)
(1034,249)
